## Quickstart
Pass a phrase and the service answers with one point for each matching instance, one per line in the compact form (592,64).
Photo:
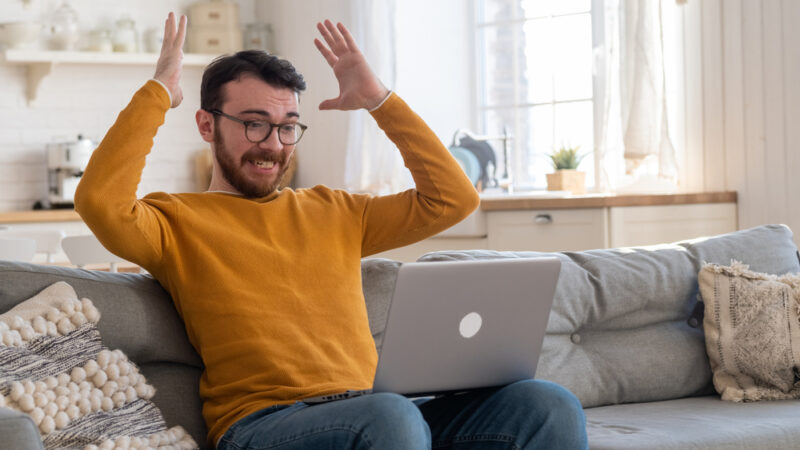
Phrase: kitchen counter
(49,215)
(522,200)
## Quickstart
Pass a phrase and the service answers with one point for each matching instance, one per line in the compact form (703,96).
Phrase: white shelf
(41,62)
(65,57)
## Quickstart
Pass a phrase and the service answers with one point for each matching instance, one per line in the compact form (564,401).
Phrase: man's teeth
(264,164)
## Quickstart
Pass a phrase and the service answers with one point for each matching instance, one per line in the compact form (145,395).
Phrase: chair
(47,241)
(86,249)
(17,249)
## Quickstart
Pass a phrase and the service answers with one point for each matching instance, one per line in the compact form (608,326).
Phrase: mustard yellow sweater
(269,288)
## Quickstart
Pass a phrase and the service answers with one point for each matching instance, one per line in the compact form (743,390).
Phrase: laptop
(459,325)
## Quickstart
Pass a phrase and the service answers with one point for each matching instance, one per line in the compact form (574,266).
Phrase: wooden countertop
(499,203)
(49,215)
(520,201)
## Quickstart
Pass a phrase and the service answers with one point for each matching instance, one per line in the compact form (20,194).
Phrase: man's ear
(205,125)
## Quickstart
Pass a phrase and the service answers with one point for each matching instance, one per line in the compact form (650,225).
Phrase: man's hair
(274,71)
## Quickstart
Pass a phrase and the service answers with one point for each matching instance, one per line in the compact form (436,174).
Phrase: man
(267,281)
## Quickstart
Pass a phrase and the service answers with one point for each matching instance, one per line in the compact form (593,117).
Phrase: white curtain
(373,164)
(634,148)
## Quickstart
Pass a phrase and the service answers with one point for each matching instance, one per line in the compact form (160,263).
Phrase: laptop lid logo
(470,325)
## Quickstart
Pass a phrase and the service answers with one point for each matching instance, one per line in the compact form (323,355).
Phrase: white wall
(320,155)
(86,99)
(437,64)
(434,73)
(741,110)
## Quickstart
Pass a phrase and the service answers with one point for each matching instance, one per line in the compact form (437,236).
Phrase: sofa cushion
(697,423)
(752,332)
(18,431)
(618,329)
(138,318)
(378,277)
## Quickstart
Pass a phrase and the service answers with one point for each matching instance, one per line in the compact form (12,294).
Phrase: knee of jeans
(562,421)
(392,414)
(560,402)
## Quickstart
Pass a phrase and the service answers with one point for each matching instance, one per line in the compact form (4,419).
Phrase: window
(535,59)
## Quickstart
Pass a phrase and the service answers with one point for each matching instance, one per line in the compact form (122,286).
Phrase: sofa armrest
(18,431)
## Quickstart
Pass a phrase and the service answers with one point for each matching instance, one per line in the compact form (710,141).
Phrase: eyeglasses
(259,130)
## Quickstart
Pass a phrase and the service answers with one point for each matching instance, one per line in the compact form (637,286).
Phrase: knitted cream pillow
(752,332)
(54,367)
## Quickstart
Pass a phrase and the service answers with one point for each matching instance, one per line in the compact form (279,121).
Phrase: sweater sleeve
(106,196)
(443,195)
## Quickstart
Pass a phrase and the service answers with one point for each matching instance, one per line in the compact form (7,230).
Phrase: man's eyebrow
(261,112)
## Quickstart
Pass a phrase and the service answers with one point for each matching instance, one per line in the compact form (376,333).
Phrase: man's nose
(272,142)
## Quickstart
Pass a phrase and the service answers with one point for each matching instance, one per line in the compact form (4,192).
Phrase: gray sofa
(618,337)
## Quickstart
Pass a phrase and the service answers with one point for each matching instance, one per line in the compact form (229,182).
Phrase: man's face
(255,170)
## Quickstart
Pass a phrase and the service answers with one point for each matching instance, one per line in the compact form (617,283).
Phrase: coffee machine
(66,162)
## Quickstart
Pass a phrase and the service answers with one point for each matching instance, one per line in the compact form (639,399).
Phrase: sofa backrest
(618,331)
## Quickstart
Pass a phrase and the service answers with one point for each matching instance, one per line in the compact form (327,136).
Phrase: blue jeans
(529,414)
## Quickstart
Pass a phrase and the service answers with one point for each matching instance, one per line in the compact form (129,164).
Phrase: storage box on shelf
(214,28)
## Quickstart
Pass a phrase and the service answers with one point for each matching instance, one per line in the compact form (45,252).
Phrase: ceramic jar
(64,27)
(125,39)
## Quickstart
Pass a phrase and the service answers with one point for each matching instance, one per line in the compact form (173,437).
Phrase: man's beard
(233,170)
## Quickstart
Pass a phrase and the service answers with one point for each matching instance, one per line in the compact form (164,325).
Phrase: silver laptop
(460,325)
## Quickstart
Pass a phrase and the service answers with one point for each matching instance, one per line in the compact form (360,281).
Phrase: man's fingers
(331,103)
(337,36)
(326,53)
(178,42)
(348,38)
(335,40)
(168,66)
(327,36)
(169,28)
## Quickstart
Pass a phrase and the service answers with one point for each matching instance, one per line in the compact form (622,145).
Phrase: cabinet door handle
(543,219)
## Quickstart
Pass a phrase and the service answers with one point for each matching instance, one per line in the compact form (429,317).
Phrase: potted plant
(566,176)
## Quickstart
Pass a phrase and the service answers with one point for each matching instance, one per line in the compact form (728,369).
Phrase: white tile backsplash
(86,99)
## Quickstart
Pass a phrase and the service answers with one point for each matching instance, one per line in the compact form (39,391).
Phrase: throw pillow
(752,332)
(81,395)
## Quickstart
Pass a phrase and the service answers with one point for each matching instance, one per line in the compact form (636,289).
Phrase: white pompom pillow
(81,395)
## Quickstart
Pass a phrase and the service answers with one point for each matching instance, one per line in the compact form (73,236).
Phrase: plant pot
(567,180)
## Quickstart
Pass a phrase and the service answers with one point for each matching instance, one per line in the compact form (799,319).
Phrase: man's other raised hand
(358,85)
(168,67)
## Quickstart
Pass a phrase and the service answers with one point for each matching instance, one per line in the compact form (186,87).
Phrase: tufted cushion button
(575,338)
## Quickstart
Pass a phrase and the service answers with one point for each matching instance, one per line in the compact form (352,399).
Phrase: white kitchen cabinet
(548,230)
(411,252)
(608,223)
(647,225)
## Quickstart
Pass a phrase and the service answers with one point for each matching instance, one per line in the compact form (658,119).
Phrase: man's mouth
(262,164)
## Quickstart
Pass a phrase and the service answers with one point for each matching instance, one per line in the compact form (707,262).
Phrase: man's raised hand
(358,85)
(168,68)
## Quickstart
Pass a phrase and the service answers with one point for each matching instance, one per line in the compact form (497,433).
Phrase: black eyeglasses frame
(247,124)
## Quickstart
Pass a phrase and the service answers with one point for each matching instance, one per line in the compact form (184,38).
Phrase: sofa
(623,335)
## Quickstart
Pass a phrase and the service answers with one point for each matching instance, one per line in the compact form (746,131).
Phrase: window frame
(598,84)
